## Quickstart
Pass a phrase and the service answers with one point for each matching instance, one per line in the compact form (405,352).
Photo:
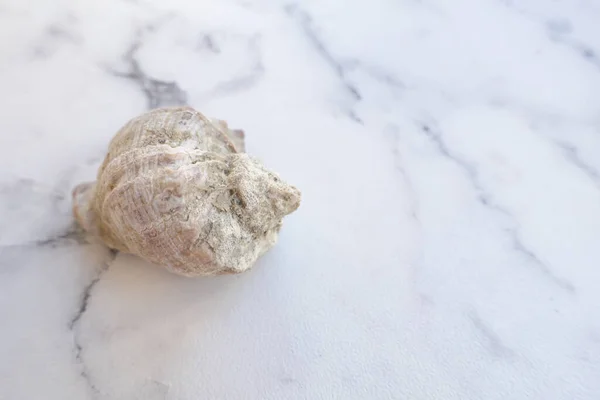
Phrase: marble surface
(447,246)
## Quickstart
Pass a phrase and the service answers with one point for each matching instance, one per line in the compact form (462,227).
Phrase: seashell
(177,189)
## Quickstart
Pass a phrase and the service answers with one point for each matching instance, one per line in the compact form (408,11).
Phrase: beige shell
(176,190)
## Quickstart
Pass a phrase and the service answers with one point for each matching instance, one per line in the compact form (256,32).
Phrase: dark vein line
(75,321)
(572,155)
(435,136)
(376,73)
(399,166)
(158,93)
(307,25)
(495,344)
(73,236)
(520,247)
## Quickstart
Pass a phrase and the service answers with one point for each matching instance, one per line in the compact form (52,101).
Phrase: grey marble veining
(447,244)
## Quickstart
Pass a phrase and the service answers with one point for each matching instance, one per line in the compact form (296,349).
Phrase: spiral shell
(176,189)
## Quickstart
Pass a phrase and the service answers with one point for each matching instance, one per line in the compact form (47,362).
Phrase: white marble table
(448,244)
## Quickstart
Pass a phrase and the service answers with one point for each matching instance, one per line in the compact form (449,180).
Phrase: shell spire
(177,190)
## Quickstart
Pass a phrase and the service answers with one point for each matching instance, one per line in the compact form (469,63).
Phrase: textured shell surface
(176,189)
